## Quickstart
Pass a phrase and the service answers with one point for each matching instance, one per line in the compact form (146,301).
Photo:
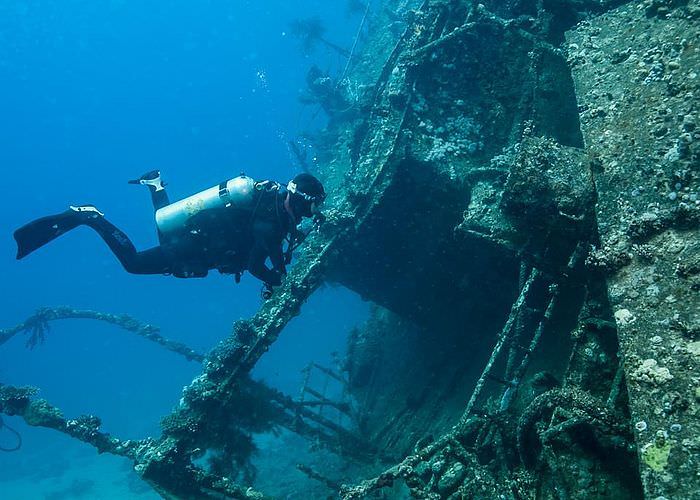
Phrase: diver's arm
(266,245)
(277,258)
(257,267)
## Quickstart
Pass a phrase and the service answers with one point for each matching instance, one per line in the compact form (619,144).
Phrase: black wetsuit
(229,240)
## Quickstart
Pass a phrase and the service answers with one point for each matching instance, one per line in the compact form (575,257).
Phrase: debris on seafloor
(517,193)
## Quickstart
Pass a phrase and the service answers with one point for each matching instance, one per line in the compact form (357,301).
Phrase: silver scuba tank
(237,193)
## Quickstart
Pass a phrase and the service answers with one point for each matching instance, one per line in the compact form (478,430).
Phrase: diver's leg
(155,185)
(151,261)
(38,233)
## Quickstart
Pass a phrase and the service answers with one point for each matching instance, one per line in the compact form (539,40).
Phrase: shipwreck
(524,179)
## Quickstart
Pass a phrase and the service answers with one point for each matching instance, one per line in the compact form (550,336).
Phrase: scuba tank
(237,193)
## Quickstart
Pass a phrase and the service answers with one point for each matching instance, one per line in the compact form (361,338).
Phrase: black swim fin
(41,231)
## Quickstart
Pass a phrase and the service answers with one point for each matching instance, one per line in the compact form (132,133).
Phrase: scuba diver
(232,227)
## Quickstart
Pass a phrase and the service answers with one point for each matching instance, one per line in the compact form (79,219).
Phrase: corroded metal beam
(21,402)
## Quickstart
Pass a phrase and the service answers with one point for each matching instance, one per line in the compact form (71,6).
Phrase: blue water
(95,93)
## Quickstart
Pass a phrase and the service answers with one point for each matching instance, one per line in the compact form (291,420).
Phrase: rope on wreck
(37,326)
(354,45)
(17,435)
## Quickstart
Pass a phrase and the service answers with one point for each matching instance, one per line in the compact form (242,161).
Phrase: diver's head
(306,195)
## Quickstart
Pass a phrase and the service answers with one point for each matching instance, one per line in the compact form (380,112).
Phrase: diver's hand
(266,292)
